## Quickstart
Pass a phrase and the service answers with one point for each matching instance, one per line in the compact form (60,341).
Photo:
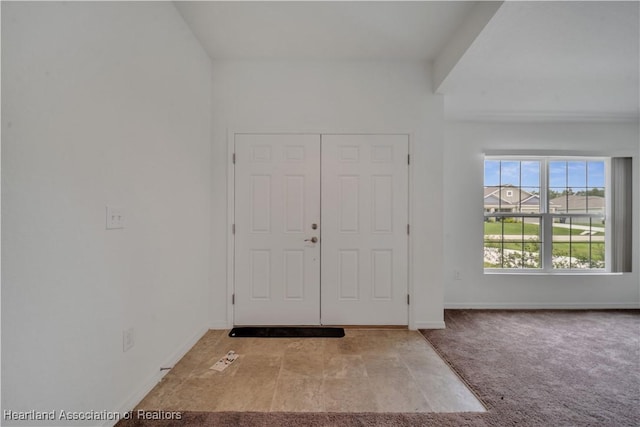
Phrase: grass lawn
(513,233)
(528,247)
(580,250)
(515,228)
(511,228)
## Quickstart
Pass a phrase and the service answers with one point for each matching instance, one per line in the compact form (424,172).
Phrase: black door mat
(286,332)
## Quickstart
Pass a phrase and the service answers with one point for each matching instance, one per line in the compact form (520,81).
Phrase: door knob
(312,240)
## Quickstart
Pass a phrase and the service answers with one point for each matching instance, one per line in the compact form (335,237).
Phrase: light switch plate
(115,218)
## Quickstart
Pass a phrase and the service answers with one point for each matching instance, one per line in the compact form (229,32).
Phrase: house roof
(496,193)
(575,202)
(492,200)
(533,200)
(492,197)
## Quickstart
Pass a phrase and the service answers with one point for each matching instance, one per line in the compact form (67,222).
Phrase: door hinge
(408,299)
(233,158)
(233,299)
(408,159)
(233,229)
(408,229)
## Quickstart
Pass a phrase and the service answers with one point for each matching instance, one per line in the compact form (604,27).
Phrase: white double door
(321,229)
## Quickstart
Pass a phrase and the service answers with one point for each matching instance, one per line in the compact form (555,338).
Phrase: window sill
(550,273)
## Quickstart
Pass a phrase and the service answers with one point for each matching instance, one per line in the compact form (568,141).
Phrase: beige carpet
(548,368)
(531,368)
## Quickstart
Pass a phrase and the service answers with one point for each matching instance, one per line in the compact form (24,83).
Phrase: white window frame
(546,217)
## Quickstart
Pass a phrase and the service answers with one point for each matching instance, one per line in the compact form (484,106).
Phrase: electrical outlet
(456,275)
(128,339)
(115,218)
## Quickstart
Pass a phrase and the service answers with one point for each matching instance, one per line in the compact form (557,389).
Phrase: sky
(563,174)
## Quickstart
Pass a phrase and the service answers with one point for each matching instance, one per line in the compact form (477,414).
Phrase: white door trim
(410,285)
(230,279)
(231,248)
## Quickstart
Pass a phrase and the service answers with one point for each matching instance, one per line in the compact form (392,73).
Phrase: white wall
(465,143)
(307,96)
(102,103)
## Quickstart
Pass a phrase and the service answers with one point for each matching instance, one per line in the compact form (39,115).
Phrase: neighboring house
(579,204)
(512,199)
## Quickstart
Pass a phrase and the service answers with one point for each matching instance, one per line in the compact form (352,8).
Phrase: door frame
(230,273)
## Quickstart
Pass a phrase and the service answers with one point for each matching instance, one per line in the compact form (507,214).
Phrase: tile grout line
(417,382)
(422,391)
(277,382)
(323,403)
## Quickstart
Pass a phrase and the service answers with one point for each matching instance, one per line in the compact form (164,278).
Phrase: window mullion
(547,219)
(547,242)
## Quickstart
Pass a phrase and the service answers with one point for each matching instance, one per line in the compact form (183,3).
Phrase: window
(546,214)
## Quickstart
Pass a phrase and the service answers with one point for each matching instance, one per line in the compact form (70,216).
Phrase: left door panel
(277,201)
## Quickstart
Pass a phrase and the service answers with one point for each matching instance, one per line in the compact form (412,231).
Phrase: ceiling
(551,61)
(540,60)
(323,30)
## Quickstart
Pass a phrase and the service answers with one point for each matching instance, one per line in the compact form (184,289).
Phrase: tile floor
(369,370)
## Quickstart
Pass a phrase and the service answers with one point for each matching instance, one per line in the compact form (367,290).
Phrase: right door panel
(364,230)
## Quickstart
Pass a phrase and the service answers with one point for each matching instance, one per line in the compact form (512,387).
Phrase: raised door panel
(364,240)
(277,198)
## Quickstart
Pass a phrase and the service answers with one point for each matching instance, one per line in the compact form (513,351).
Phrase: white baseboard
(219,324)
(540,306)
(437,324)
(151,382)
